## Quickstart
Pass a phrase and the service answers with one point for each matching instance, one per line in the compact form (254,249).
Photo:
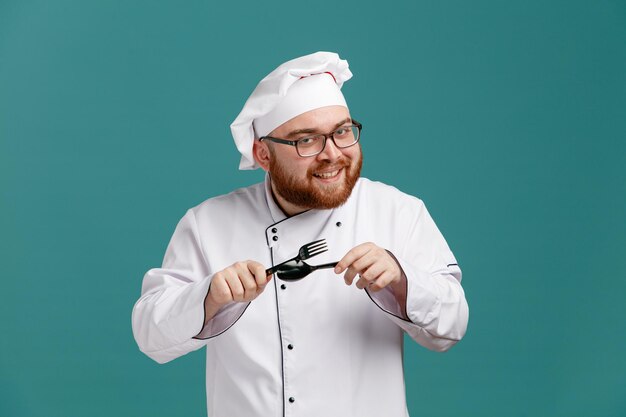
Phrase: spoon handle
(276,268)
(326,266)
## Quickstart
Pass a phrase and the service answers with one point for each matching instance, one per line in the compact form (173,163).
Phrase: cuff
(223,320)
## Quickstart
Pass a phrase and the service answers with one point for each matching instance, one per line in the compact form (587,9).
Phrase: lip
(337,177)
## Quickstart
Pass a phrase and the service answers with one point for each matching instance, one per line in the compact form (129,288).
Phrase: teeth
(327,174)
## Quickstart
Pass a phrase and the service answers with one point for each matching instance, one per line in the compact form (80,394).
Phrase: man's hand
(375,266)
(377,269)
(241,282)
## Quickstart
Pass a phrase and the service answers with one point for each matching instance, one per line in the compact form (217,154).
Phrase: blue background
(506,118)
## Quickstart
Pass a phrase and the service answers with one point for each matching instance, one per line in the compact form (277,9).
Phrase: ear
(261,153)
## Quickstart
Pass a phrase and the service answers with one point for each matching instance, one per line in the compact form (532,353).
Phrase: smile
(327,175)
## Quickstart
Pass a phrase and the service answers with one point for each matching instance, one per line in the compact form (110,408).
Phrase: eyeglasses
(343,137)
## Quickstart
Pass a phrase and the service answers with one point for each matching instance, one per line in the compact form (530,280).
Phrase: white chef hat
(295,87)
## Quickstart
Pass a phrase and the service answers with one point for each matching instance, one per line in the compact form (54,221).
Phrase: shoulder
(381,195)
(238,202)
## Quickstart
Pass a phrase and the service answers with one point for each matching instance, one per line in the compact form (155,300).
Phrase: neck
(287,208)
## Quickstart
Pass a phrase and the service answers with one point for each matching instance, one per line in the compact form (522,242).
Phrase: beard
(309,194)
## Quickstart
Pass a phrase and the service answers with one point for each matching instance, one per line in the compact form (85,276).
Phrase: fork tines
(317,247)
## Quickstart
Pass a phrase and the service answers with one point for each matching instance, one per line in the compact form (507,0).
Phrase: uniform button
(274,230)
(275,238)
(338,224)
(283,287)
(290,346)
(292,400)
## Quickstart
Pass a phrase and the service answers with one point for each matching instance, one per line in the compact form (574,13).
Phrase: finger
(363,282)
(258,271)
(247,281)
(349,276)
(235,285)
(352,255)
(371,274)
(361,266)
(365,262)
(381,282)
(219,290)
(373,271)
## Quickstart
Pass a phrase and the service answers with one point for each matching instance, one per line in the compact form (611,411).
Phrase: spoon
(296,270)
(305,252)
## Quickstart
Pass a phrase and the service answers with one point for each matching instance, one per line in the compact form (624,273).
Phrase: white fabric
(346,356)
(308,93)
(266,108)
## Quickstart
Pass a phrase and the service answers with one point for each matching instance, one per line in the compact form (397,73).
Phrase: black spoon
(296,270)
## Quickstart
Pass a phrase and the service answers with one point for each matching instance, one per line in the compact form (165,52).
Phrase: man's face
(322,181)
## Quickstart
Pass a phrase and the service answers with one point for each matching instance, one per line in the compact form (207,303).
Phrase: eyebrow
(311,130)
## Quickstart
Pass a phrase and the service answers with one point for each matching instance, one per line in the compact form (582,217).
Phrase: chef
(329,344)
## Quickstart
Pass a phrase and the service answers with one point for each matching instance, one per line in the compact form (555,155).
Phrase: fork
(305,252)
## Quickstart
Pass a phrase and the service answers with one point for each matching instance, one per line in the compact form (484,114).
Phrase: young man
(318,346)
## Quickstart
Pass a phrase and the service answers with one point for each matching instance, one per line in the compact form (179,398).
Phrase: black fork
(305,252)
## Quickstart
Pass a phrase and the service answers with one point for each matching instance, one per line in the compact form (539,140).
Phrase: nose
(330,152)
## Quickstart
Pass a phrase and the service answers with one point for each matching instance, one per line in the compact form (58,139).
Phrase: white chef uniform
(314,347)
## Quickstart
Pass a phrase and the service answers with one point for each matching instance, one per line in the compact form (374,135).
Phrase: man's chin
(329,196)
(325,189)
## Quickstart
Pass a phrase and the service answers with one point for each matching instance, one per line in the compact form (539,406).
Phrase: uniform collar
(275,210)
(299,226)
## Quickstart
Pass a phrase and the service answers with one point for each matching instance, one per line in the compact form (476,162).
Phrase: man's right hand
(241,282)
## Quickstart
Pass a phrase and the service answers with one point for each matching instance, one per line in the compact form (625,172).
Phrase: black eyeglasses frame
(356,124)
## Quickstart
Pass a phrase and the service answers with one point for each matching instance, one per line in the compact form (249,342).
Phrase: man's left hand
(375,266)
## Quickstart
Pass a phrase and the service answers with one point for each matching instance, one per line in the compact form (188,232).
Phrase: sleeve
(436,307)
(169,315)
